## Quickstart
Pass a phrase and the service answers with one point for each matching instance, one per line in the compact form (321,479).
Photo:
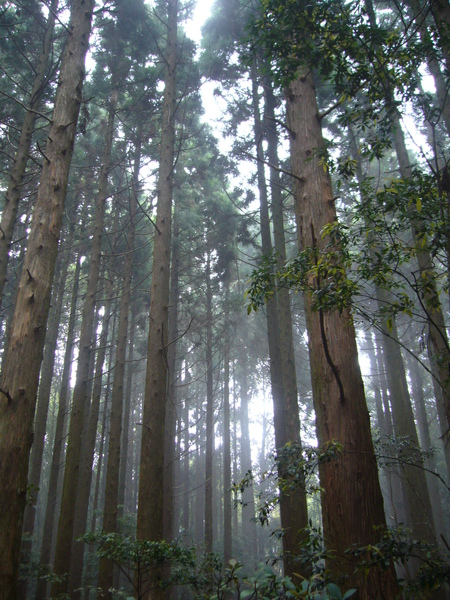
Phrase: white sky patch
(201,14)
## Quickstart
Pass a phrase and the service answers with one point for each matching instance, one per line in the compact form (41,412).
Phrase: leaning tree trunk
(151,497)
(19,385)
(12,196)
(352,504)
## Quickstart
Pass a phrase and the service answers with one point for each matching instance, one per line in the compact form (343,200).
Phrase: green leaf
(349,593)
(334,591)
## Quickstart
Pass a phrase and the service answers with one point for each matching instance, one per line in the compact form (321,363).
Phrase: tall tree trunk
(58,447)
(12,196)
(80,399)
(171,406)
(438,343)
(105,579)
(26,344)
(227,531)
(417,384)
(151,496)
(88,446)
(45,384)
(209,449)
(279,369)
(248,508)
(352,504)
(298,511)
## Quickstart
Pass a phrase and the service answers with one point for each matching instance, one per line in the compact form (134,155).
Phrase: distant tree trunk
(248,508)
(278,368)
(125,464)
(19,385)
(12,196)
(298,511)
(186,475)
(58,447)
(425,439)
(105,579)
(171,416)
(209,449)
(394,508)
(151,496)
(352,504)
(88,446)
(64,539)
(227,531)
(415,490)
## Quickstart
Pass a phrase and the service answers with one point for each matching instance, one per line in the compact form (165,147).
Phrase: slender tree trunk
(227,531)
(26,344)
(438,344)
(88,447)
(12,196)
(425,439)
(248,508)
(45,384)
(151,496)
(171,416)
(352,504)
(105,580)
(64,540)
(58,447)
(298,511)
(125,463)
(209,449)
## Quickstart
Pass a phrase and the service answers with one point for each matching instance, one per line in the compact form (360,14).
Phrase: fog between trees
(224,373)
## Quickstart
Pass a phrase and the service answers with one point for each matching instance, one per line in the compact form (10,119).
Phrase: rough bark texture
(80,393)
(12,196)
(352,504)
(19,385)
(151,502)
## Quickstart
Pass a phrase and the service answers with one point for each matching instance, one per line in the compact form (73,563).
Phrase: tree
(26,343)
(151,505)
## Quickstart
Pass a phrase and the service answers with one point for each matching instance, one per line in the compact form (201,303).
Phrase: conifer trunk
(151,498)
(105,580)
(26,343)
(56,462)
(352,504)
(80,393)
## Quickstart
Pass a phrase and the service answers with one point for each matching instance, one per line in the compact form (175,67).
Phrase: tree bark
(80,399)
(58,449)
(105,579)
(227,530)
(209,449)
(352,504)
(19,386)
(151,497)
